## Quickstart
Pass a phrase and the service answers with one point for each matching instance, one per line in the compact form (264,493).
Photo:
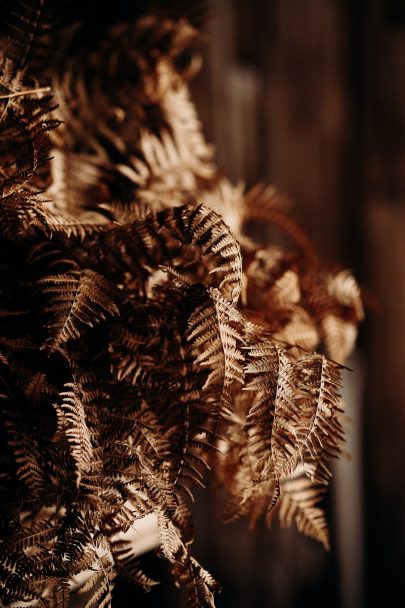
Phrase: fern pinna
(145,336)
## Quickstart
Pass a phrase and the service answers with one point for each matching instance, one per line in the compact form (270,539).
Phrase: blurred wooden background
(310,95)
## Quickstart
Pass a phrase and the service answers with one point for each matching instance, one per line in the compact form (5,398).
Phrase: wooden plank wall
(310,95)
(384,264)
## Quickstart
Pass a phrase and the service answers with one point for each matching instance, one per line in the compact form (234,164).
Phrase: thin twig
(30,92)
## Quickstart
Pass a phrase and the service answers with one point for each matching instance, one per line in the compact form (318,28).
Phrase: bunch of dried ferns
(144,336)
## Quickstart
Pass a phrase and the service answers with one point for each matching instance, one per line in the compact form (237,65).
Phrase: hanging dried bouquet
(145,336)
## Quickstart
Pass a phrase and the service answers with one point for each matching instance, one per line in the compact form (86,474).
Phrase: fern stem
(29,92)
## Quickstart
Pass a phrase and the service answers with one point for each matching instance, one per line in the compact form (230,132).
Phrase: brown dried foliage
(144,336)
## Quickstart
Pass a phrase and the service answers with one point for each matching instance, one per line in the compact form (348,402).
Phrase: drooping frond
(270,420)
(185,568)
(317,431)
(129,565)
(298,503)
(201,585)
(248,494)
(215,334)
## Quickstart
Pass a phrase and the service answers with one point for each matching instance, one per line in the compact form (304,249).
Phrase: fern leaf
(26,27)
(215,334)
(31,536)
(61,594)
(339,337)
(216,339)
(76,300)
(204,231)
(199,583)
(298,502)
(97,590)
(317,431)
(19,214)
(25,143)
(270,419)
(345,289)
(72,422)
(129,565)
(30,469)
(185,568)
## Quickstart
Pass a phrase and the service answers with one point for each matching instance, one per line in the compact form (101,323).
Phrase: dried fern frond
(129,565)
(72,422)
(145,337)
(317,432)
(299,503)
(270,420)
(205,232)
(25,32)
(97,590)
(216,340)
(75,300)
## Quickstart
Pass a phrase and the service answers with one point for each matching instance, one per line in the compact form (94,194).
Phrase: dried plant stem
(29,92)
